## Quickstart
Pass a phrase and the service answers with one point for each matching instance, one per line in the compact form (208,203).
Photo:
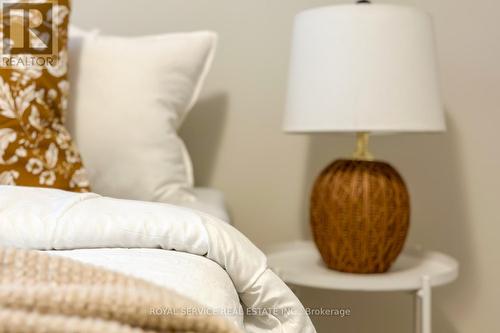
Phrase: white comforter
(45,219)
(193,276)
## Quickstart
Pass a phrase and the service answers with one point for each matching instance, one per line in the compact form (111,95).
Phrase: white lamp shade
(366,67)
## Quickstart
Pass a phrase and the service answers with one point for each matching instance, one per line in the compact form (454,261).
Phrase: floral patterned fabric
(35,147)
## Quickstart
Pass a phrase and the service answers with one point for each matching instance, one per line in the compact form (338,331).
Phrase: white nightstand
(300,264)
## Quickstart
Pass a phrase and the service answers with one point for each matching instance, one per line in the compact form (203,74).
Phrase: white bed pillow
(129,97)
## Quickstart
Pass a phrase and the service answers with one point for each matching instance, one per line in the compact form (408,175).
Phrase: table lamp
(362,68)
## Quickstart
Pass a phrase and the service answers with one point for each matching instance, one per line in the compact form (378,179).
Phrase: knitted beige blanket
(42,293)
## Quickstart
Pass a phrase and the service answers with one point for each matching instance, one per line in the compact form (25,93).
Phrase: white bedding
(193,276)
(56,220)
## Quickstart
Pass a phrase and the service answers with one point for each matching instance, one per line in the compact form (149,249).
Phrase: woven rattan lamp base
(360,213)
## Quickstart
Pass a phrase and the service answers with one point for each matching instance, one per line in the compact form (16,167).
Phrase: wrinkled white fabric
(46,219)
(196,277)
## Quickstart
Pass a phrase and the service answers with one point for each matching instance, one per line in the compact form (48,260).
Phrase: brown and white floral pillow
(35,147)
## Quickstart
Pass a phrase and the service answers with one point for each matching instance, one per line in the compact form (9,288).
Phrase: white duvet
(193,276)
(43,219)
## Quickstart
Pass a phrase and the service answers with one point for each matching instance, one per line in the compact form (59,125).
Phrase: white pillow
(129,97)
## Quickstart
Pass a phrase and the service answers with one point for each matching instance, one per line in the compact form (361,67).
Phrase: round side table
(299,263)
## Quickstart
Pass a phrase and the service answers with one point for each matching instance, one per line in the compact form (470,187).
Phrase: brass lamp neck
(362,153)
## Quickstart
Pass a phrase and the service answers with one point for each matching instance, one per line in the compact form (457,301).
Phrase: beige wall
(235,137)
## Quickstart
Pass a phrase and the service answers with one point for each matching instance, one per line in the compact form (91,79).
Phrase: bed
(196,277)
(184,249)
(124,197)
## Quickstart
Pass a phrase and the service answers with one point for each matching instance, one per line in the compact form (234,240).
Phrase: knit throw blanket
(42,293)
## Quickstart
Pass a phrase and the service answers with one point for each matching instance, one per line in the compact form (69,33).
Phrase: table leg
(423,307)
(417,317)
